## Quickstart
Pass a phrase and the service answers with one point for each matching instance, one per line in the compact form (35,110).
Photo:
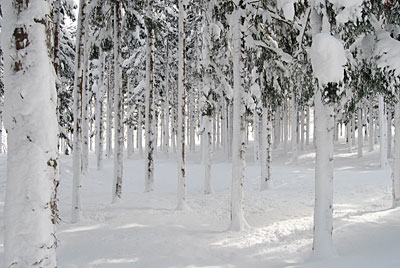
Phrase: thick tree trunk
(207,155)
(294,129)
(323,211)
(100,114)
(30,210)
(238,222)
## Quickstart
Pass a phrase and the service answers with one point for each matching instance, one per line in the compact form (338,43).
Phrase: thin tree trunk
(383,134)
(99,114)
(77,138)
(360,133)
(389,133)
(181,109)
(294,129)
(110,93)
(396,159)
(266,149)
(150,112)
(118,127)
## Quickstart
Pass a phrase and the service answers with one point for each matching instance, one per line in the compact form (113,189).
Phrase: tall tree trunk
(238,222)
(130,138)
(207,154)
(140,129)
(85,103)
(266,149)
(30,211)
(118,127)
(360,132)
(100,114)
(110,94)
(396,160)
(294,129)
(166,102)
(383,134)
(150,112)
(77,138)
(389,133)
(323,211)
(181,109)
(308,126)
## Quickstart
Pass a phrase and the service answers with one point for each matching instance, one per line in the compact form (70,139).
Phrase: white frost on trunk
(181,157)
(323,217)
(360,132)
(77,138)
(294,129)
(100,113)
(31,122)
(238,222)
(118,127)
(396,158)
(150,113)
(266,149)
(383,134)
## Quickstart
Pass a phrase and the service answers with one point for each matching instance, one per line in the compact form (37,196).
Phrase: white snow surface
(144,229)
(328,58)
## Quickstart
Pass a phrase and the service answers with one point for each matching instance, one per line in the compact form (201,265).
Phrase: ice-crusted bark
(31,122)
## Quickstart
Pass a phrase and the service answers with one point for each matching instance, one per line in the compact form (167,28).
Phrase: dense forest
(121,80)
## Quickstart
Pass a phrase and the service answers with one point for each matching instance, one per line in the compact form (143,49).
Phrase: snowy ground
(144,230)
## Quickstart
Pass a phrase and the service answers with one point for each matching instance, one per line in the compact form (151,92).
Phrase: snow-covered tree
(31,123)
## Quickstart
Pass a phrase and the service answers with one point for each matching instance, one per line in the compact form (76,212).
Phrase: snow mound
(328,58)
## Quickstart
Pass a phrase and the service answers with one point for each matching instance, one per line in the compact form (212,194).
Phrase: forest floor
(144,229)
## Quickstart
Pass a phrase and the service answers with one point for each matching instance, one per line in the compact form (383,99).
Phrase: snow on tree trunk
(349,136)
(308,126)
(207,155)
(30,211)
(130,138)
(266,149)
(150,113)
(77,138)
(85,102)
(294,129)
(256,126)
(353,130)
(1,130)
(181,110)
(383,134)
(109,116)
(396,159)
(302,127)
(238,222)
(323,218)
(360,132)
(140,130)
(100,114)
(285,127)
(389,133)
(118,127)
(192,120)
(166,102)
